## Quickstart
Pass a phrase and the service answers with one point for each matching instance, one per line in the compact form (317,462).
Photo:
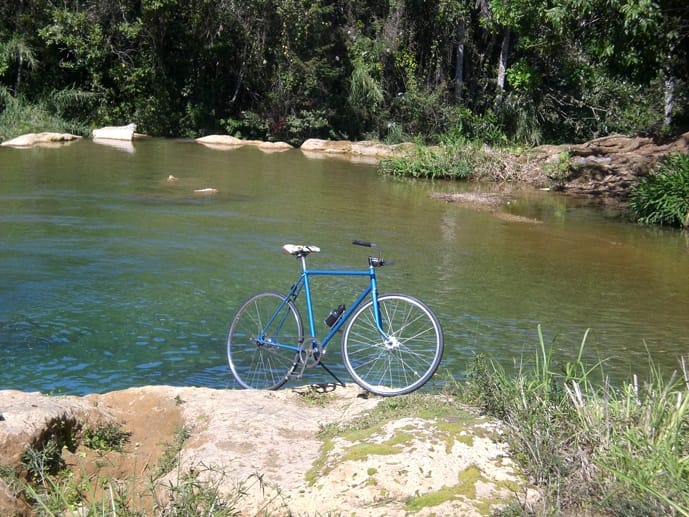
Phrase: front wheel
(405,358)
(256,349)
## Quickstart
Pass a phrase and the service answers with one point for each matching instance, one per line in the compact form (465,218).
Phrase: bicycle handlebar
(374,261)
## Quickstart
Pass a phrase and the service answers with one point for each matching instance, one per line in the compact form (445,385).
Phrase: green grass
(449,160)
(587,445)
(18,116)
(663,197)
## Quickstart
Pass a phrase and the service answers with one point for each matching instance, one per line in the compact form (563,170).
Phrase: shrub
(249,126)
(663,197)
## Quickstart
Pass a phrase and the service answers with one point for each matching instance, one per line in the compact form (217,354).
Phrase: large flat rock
(269,442)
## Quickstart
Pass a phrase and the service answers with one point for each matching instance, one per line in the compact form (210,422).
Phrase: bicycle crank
(310,353)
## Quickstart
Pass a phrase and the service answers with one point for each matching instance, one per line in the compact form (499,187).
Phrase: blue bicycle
(392,344)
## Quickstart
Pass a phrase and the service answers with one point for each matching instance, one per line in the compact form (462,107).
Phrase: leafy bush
(249,126)
(306,124)
(663,197)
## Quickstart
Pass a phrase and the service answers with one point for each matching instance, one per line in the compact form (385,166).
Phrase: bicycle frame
(302,284)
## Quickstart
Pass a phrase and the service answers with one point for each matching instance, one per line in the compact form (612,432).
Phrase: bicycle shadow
(313,390)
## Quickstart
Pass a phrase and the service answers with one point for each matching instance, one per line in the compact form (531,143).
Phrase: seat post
(302,258)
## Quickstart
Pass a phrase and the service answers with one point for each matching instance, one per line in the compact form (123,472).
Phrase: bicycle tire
(261,366)
(407,360)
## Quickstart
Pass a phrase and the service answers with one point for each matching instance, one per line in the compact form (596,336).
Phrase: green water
(111,276)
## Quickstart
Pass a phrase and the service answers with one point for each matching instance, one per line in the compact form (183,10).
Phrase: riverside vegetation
(454,74)
(663,198)
(541,72)
(588,446)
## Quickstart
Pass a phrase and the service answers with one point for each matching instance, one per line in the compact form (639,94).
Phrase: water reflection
(121,145)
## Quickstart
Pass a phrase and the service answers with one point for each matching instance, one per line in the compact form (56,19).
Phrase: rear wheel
(264,323)
(404,360)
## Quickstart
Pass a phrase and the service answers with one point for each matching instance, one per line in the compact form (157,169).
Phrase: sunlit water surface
(111,276)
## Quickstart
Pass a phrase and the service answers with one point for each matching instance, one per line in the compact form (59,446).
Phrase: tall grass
(455,160)
(54,113)
(589,446)
(663,197)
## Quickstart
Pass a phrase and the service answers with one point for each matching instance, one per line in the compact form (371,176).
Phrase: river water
(111,276)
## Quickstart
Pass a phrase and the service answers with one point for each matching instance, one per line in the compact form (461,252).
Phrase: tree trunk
(459,69)
(502,65)
(669,99)
(20,62)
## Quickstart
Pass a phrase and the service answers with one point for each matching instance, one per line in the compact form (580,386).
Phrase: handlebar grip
(367,244)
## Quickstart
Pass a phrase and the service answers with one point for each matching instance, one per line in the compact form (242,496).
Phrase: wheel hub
(392,343)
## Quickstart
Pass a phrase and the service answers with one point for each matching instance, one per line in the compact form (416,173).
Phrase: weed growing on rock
(170,457)
(198,492)
(42,462)
(106,436)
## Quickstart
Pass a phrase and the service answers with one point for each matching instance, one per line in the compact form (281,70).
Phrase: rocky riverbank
(605,167)
(269,443)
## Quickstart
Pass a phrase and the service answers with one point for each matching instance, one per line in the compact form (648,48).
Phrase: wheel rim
(406,359)
(254,362)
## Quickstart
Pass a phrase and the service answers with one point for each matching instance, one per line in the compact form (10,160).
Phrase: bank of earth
(440,461)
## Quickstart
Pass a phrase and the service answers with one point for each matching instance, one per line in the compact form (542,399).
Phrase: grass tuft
(106,436)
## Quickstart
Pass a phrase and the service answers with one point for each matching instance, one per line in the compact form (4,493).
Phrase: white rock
(115,132)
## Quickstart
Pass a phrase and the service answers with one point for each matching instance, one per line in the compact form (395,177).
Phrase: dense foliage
(528,70)
(663,197)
